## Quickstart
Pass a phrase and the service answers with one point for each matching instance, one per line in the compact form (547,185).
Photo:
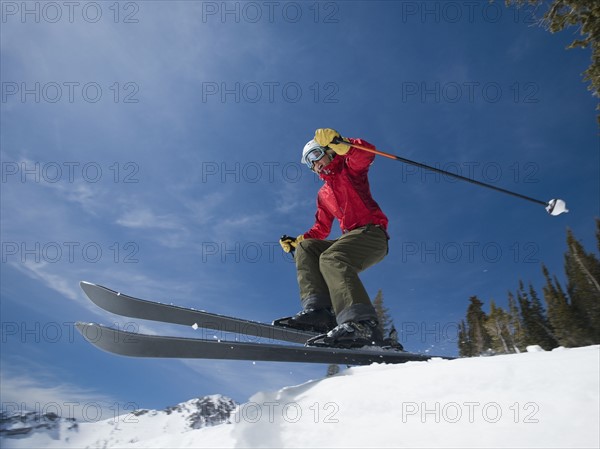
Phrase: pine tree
(598,233)
(574,314)
(465,345)
(383,315)
(516,326)
(478,335)
(541,328)
(525,313)
(560,313)
(583,287)
(537,329)
(497,326)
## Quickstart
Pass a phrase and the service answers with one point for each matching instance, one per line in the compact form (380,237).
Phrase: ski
(132,307)
(140,345)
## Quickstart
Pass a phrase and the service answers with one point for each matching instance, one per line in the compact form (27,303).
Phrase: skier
(334,300)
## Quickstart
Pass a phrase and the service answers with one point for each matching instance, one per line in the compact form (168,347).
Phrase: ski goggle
(313,156)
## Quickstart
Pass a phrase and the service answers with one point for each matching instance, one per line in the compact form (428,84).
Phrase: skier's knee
(305,246)
(331,258)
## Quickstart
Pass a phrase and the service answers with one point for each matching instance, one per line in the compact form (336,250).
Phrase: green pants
(328,272)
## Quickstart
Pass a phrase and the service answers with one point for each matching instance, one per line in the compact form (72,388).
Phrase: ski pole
(553,207)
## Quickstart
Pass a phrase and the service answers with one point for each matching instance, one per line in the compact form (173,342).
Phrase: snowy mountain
(27,423)
(535,399)
(31,429)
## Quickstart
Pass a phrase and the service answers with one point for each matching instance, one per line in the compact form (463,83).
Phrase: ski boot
(315,320)
(351,334)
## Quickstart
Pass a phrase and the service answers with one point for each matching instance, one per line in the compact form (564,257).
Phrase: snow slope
(535,399)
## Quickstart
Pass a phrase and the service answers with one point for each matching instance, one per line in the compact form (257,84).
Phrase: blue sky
(153,147)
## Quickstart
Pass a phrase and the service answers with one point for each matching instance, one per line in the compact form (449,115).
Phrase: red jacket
(346,194)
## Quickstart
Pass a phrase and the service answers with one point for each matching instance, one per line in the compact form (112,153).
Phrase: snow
(534,348)
(536,399)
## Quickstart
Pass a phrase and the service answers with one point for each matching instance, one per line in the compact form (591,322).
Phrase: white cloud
(203,210)
(23,391)
(170,231)
(144,218)
(82,194)
(39,272)
(293,197)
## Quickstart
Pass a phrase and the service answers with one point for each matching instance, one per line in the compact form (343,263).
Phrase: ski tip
(82,327)
(87,287)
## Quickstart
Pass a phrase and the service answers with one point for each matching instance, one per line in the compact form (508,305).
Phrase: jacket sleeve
(323,221)
(359,160)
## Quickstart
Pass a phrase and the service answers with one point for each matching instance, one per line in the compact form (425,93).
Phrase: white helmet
(311,153)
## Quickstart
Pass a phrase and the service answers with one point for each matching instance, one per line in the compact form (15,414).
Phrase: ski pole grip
(338,139)
(286,237)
